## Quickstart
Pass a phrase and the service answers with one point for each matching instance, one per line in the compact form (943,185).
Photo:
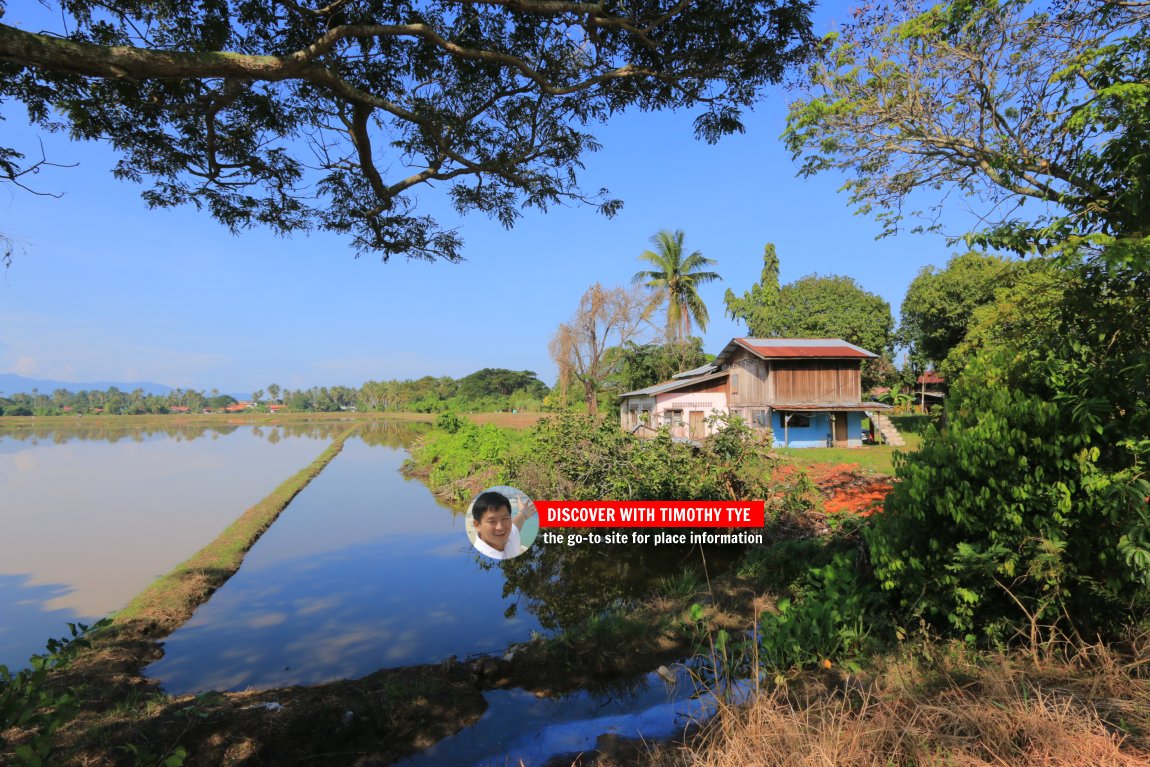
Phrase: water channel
(364,570)
(90,515)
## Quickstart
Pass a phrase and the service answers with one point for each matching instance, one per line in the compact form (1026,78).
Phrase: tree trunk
(592,397)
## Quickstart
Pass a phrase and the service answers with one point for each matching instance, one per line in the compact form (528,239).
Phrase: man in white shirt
(496,531)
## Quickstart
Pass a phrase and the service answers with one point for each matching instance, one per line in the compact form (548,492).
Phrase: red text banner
(650,513)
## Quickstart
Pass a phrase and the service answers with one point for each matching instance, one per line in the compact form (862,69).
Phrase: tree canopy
(1004,102)
(756,306)
(939,303)
(584,348)
(675,280)
(640,365)
(500,382)
(279,114)
(814,306)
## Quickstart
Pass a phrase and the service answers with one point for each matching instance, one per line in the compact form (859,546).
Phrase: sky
(102,288)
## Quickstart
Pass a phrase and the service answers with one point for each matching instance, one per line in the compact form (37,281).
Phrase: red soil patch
(846,487)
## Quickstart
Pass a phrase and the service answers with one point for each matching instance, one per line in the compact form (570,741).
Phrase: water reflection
(28,623)
(564,586)
(88,521)
(61,431)
(363,571)
(522,729)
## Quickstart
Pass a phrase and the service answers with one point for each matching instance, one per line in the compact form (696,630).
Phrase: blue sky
(102,288)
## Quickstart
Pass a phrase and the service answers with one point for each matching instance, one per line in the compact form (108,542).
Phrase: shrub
(1030,509)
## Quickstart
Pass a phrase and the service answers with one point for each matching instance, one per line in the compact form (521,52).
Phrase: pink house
(684,403)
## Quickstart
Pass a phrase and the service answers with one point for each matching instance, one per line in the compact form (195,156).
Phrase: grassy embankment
(169,601)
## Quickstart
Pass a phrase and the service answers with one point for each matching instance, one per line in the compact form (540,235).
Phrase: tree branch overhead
(494,98)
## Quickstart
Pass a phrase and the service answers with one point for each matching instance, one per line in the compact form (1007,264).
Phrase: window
(734,383)
(798,421)
(760,418)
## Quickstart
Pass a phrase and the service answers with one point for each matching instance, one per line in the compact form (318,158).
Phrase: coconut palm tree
(675,279)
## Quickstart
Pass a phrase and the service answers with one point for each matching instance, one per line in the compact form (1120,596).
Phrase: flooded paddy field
(364,577)
(90,515)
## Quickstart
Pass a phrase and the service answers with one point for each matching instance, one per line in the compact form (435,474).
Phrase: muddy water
(364,570)
(89,516)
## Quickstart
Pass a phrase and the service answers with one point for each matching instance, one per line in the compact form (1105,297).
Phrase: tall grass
(943,706)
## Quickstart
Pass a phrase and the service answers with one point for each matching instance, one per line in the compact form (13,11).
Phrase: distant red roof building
(276,408)
(179,409)
(930,377)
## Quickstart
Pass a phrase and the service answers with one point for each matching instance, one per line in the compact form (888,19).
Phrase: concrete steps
(883,426)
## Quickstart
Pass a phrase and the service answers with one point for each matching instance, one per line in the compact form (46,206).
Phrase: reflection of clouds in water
(26,622)
(328,649)
(268,619)
(307,606)
(403,648)
(447,550)
(364,584)
(25,462)
(87,486)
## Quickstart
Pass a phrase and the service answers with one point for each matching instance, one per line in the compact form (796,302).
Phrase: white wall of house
(679,406)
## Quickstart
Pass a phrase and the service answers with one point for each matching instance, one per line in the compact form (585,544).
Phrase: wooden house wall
(753,384)
(814,381)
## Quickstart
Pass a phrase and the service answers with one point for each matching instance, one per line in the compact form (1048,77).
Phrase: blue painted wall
(814,435)
(818,433)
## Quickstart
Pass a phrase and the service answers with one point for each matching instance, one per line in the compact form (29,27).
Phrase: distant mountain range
(10,383)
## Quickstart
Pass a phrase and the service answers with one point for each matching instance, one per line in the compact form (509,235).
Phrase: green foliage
(675,280)
(499,382)
(459,450)
(1023,312)
(831,307)
(833,622)
(579,458)
(897,398)
(815,307)
(1030,507)
(142,756)
(449,422)
(782,567)
(487,390)
(489,102)
(642,365)
(937,309)
(1055,112)
(29,704)
(756,307)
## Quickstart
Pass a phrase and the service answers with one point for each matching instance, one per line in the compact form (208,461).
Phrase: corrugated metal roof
(667,386)
(696,371)
(803,347)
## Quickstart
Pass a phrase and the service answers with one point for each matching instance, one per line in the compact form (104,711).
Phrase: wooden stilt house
(808,391)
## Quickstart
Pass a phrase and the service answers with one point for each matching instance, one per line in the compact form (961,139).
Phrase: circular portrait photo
(501,522)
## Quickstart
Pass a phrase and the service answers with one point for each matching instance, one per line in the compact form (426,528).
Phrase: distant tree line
(489,389)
